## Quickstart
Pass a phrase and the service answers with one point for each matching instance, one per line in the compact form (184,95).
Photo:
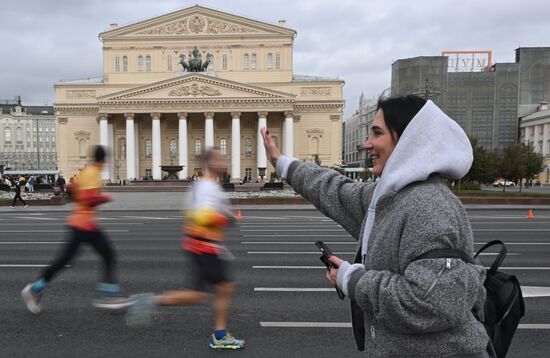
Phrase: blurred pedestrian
(19,184)
(84,228)
(203,243)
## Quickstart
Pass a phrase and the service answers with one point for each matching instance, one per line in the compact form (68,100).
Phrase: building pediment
(195,86)
(196,21)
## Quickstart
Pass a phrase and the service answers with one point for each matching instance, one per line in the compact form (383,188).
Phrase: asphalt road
(281,286)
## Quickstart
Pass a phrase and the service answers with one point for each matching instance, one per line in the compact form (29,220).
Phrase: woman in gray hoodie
(403,307)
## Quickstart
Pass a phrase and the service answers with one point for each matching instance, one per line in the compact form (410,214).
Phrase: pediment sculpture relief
(194,90)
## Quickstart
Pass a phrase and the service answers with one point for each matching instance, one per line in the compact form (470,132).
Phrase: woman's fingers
(336,260)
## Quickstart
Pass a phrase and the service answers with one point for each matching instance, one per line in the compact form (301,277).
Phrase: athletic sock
(220,333)
(109,289)
(38,286)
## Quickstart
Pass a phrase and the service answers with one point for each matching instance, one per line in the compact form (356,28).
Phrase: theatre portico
(179,83)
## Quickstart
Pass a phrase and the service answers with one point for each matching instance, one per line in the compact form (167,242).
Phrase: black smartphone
(326,253)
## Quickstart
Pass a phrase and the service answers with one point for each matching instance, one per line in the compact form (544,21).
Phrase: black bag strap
(446,253)
(500,257)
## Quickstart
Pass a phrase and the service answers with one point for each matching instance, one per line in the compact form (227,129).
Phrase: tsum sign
(469,61)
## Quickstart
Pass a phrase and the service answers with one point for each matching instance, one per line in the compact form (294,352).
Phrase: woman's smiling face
(380,143)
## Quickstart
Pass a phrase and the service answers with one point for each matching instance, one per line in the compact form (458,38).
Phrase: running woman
(84,228)
(203,242)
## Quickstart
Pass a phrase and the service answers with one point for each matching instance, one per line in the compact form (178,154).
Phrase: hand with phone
(332,263)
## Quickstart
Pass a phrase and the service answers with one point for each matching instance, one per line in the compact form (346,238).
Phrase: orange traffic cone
(530,214)
(239,215)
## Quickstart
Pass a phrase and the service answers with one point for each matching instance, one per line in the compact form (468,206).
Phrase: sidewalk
(160,201)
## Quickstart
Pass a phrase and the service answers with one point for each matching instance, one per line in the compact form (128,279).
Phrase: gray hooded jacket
(410,308)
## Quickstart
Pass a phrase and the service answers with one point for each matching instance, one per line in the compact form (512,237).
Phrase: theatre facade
(179,83)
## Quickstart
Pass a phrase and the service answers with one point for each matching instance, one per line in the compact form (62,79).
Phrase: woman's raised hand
(271,150)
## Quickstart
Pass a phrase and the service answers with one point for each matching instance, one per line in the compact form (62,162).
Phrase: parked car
(503,182)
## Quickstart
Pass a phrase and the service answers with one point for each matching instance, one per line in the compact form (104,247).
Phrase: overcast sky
(44,41)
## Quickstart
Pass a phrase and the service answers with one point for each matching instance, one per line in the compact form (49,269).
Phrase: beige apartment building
(176,84)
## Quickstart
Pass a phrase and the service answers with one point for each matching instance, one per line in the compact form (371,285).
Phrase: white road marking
(301,235)
(294,243)
(293,289)
(341,253)
(147,217)
(24,265)
(540,326)
(295,230)
(535,291)
(533,268)
(31,242)
(294,253)
(55,231)
(34,218)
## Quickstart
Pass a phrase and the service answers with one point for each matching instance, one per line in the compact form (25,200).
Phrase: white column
(536,138)
(111,146)
(261,159)
(209,130)
(288,134)
(182,145)
(545,138)
(136,145)
(104,141)
(130,147)
(157,155)
(236,146)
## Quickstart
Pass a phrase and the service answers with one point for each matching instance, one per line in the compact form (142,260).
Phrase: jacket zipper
(432,286)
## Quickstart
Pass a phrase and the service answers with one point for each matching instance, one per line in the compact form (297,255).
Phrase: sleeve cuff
(283,163)
(344,274)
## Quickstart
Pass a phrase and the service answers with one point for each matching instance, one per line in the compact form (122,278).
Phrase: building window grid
(125,63)
(269,61)
(173,148)
(148,148)
(253,61)
(278,61)
(169,63)
(224,62)
(117,63)
(198,147)
(245,61)
(148,63)
(223,146)
(140,63)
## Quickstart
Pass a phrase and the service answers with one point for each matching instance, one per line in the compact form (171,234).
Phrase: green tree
(484,166)
(533,162)
(512,163)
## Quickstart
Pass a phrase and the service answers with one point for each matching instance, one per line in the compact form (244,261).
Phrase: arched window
(198,147)
(122,148)
(314,146)
(223,146)
(269,61)
(253,61)
(224,62)
(537,83)
(19,134)
(245,61)
(148,63)
(169,63)
(278,61)
(117,63)
(125,63)
(7,134)
(140,63)
(148,148)
(173,148)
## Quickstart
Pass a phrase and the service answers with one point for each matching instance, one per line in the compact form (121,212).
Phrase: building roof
(536,115)
(8,106)
(89,80)
(306,78)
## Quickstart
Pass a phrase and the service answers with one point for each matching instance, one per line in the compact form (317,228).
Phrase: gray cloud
(45,41)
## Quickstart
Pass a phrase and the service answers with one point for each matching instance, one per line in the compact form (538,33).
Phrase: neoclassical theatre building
(176,84)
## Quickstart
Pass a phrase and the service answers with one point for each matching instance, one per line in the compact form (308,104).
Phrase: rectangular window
(248,147)
(269,61)
(148,148)
(245,62)
(148,63)
(169,63)
(148,173)
(278,61)
(125,63)
(223,146)
(224,62)
(253,61)
(117,63)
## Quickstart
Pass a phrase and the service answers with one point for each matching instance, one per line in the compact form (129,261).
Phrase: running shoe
(111,303)
(227,342)
(140,310)
(26,205)
(32,300)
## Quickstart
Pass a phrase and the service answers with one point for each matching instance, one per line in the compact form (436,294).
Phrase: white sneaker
(11,206)
(26,205)
(31,300)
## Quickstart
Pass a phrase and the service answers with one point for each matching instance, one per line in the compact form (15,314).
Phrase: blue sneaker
(140,310)
(226,342)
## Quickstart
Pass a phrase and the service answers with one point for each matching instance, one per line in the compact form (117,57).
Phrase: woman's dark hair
(99,153)
(209,154)
(399,111)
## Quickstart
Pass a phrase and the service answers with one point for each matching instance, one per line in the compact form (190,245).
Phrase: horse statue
(183,64)
(195,60)
(209,60)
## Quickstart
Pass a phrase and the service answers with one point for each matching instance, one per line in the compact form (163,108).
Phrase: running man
(19,185)
(84,228)
(203,242)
